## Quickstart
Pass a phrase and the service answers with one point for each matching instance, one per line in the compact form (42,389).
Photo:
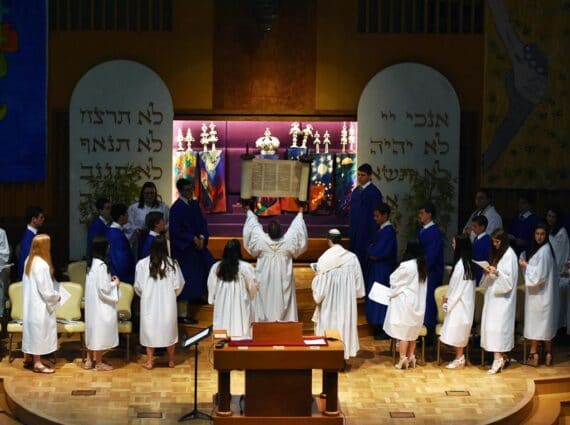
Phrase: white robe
(276,299)
(159,322)
(233,301)
(494,220)
(101,297)
(541,289)
(4,274)
(137,217)
(561,246)
(336,286)
(405,313)
(499,307)
(460,308)
(40,298)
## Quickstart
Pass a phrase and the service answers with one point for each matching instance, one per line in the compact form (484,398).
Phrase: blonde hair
(41,245)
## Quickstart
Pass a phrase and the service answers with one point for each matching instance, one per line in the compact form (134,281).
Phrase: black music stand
(189,342)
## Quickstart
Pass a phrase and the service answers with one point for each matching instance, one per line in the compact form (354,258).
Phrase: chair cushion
(437,329)
(423,331)
(15,327)
(71,327)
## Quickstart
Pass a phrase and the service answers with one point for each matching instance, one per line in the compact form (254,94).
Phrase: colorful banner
(526,111)
(23,90)
(344,180)
(186,166)
(321,186)
(212,181)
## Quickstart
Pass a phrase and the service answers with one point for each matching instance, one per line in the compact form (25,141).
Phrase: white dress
(405,313)
(499,307)
(336,286)
(101,297)
(233,301)
(541,289)
(460,309)
(137,217)
(276,299)
(40,299)
(159,323)
(561,246)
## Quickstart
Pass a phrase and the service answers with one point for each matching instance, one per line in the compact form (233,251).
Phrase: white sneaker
(457,363)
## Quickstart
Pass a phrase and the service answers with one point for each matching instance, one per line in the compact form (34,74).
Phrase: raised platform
(371,392)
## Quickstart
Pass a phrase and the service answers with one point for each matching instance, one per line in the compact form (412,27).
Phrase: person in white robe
(499,306)
(406,310)
(232,286)
(4,267)
(336,286)
(158,281)
(39,300)
(459,302)
(486,208)
(276,299)
(561,244)
(101,297)
(136,226)
(540,319)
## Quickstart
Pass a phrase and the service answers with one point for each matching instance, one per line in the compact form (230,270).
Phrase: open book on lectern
(197,337)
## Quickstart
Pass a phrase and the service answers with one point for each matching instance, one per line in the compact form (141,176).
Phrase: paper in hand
(64,294)
(379,294)
(483,264)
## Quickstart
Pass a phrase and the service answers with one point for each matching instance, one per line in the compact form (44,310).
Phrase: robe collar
(153,233)
(364,186)
(387,223)
(103,220)
(525,215)
(431,223)
(32,229)
(334,257)
(480,235)
(115,225)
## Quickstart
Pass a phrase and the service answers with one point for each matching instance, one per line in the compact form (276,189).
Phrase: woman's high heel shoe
(548,359)
(532,360)
(457,363)
(402,364)
(412,361)
(496,367)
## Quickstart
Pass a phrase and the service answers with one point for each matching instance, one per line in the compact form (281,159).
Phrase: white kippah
(334,232)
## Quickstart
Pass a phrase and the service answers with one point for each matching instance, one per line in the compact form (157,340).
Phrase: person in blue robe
(521,227)
(189,244)
(99,225)
(121,257)
(154,222)
(382,261)
(481,244)
(430,237)
(35,218)
(365,197)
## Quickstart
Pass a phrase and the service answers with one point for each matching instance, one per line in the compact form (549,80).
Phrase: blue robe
(96,228)
(481,252)
(25,245)
(185,222)
(384,249)
(120,256)
(433,247)
(523,228)
(144,249)
(362,224)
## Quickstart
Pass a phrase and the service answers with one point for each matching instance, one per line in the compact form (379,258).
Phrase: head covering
(333,234)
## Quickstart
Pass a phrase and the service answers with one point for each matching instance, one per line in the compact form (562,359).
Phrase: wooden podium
(278,378)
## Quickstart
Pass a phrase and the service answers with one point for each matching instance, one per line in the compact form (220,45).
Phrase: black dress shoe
(187,321)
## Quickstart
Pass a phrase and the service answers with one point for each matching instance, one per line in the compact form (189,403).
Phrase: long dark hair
(156,202)
(229,266)
(160,262)
(464,252)
(99,250)
(497,254)
(535,246)
(415,251)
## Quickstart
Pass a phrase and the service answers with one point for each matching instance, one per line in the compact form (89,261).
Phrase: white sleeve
(538,269)
(399,279)
(106,289)
(4,248)
(212,283)
(140,277)
(297,237)
(252,234)
(178,279)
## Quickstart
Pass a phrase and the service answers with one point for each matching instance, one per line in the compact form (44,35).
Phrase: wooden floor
(369,391)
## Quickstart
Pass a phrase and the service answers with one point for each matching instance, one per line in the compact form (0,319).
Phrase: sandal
(548,359)
(88,364)
(103,367)
(43,369)
(532,359)
(171,364)
(148,365)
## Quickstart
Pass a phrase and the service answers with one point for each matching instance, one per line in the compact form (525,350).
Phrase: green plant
(439,190)
(119,186)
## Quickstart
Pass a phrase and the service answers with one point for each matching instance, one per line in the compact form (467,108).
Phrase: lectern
(278,363)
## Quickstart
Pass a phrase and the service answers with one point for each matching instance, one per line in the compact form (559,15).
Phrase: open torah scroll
(274,178)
